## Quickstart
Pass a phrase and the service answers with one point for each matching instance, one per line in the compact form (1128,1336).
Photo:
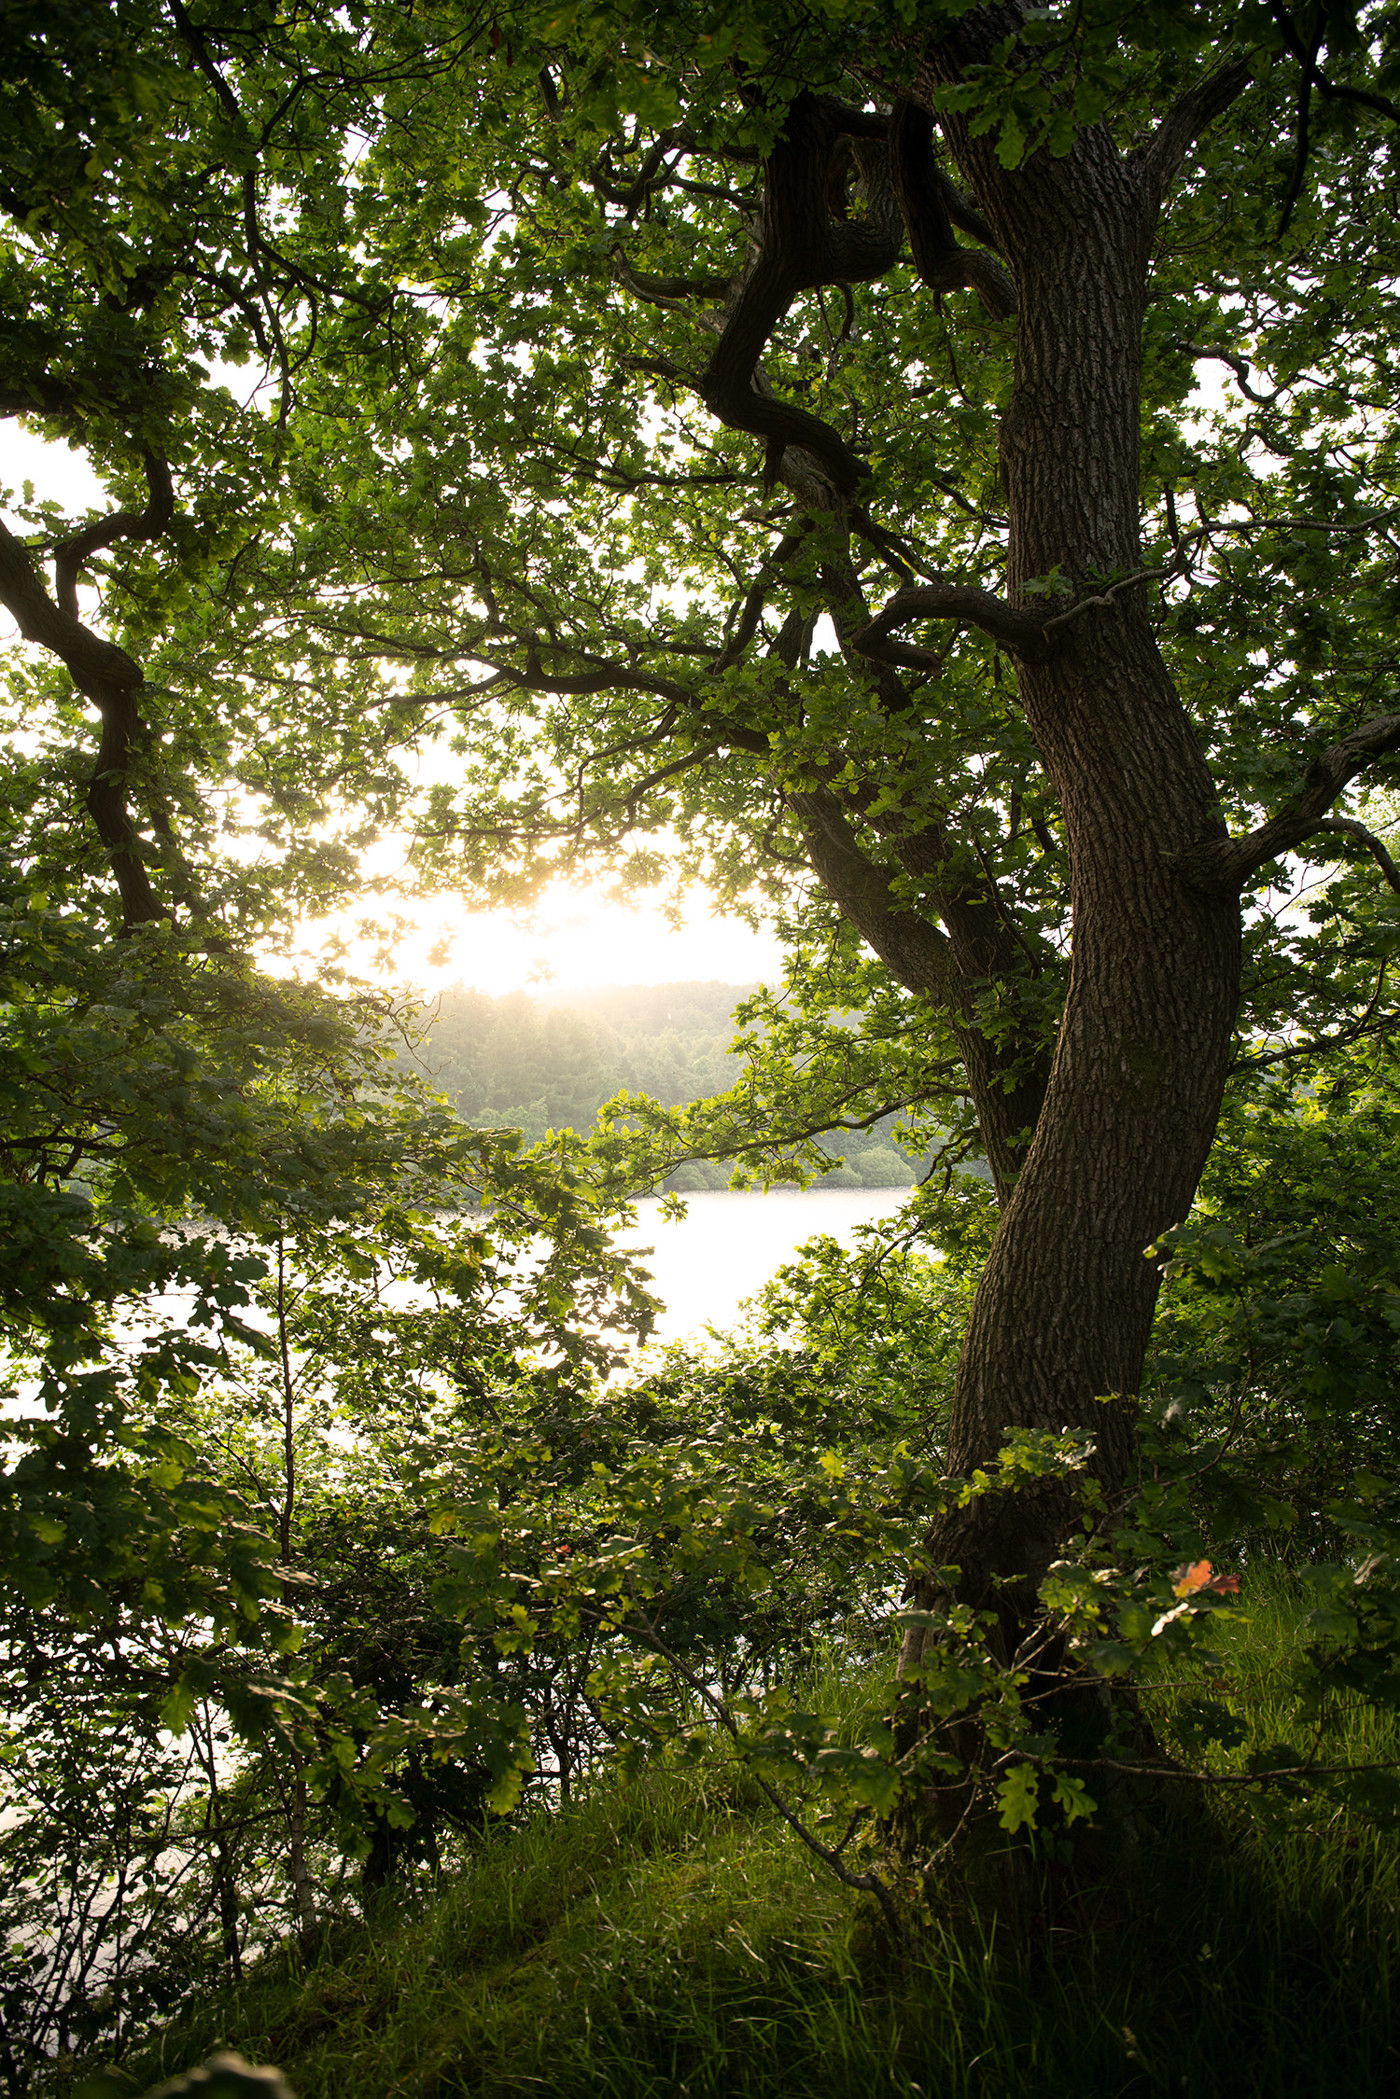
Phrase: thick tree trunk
(1061,1320)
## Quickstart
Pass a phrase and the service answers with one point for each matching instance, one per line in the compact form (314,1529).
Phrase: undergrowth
(666,1934)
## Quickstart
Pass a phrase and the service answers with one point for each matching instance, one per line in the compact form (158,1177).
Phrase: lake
(729,1244)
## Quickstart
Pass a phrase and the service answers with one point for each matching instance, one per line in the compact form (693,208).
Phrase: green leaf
(1018,1794)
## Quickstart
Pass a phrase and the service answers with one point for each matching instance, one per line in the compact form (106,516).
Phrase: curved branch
(1011,625)
(1190,115)
(72,555)
(931,205)
(1348,827)
(1221,866)
(113,681)
(1239,366)
(751,611)
(779,1140)
(801,247)
(1107,596)
(678,139)
(1315,1045)
(1332,89)
(668,291)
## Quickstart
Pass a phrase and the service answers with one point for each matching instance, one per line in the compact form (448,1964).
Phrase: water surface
(730,1244)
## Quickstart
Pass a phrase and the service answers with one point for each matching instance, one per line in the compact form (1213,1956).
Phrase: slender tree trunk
(225,1869)
(303,1893)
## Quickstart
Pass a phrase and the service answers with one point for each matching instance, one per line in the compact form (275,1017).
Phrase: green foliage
(644,1057)
(235,1232)
(325,1539)
(670,1928)
(1276,1342)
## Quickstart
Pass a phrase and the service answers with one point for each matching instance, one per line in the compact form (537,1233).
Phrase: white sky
(574,938)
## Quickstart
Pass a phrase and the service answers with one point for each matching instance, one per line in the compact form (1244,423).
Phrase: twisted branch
(1221,866)
(801,246)
(72,555)
(112,680)
(931,206)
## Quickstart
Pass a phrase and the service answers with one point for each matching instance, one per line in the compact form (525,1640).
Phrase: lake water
(730,1244)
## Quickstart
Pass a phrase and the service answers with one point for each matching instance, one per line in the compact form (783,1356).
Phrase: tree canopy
(923,469)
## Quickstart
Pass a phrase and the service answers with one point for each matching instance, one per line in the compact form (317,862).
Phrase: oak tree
(933,464)
(768,441)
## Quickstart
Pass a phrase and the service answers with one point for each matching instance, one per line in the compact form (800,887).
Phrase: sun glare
(575,937)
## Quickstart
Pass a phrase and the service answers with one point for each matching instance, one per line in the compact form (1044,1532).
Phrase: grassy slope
(668,1936)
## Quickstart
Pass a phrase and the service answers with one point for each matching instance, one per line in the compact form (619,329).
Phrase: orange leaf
(1191,1576)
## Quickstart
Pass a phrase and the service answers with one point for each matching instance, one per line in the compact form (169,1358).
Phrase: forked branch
(72,555)
(1221,866)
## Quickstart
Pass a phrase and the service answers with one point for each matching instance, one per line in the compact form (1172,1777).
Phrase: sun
(575,937)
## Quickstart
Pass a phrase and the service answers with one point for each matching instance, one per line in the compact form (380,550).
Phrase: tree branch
(1190,115)
(1330,88)
(1106,597)
(1348,827)
(931,205)
(1316,1045)
(802,246)
(72,555)
(1221,866)
(113,681)
(668,291)
(1239,366)
(1011,625)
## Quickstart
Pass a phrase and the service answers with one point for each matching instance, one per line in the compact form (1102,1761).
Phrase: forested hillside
(539,1064)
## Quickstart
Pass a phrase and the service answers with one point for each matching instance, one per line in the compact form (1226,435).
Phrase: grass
(666,1937)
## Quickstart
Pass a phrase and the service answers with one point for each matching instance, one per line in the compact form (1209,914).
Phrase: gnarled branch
(1013,626)
(931,205)
(802,245)
(1333,90)
(112,680)
(72,555)
(1221,866)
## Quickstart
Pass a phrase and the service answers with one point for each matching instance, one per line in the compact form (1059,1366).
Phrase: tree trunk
(1060,1324)
(298,1872)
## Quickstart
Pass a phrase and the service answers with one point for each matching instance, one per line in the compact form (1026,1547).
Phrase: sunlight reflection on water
(730,1244)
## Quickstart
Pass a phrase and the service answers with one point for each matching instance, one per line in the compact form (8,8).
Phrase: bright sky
(576,937)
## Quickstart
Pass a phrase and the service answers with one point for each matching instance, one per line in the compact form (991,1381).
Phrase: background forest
(539,1065)
(919,476)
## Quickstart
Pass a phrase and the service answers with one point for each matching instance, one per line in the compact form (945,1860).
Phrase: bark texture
(1061,1319)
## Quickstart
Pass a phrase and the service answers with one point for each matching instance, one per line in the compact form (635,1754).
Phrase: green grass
(668,1936)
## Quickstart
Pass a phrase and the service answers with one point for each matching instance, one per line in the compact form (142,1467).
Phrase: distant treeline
(536,1064)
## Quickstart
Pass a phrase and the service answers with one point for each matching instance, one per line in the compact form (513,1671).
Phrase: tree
(742,348)
(640,382)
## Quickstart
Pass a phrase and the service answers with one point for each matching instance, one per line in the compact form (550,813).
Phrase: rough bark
(1060,1324)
